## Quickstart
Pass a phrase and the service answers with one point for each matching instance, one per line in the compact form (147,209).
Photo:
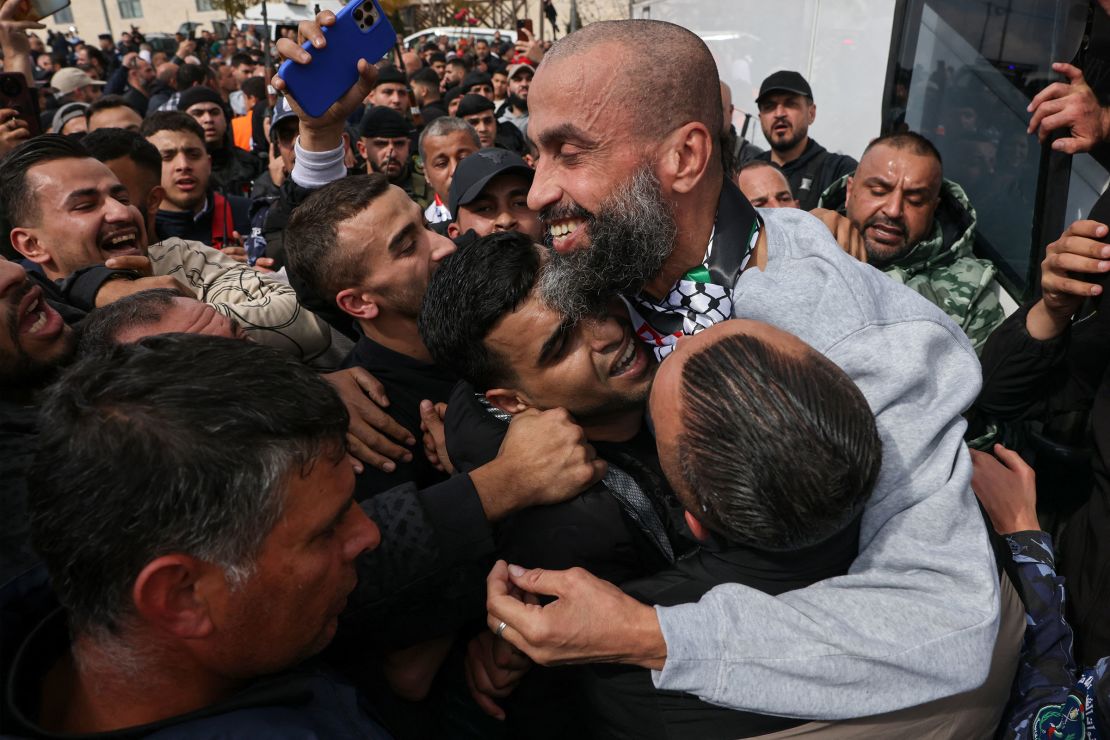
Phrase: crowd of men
(500,401)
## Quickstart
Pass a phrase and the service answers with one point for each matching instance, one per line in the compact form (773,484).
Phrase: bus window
(966,72)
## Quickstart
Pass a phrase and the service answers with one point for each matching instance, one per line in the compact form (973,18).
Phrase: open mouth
(780,128)
(889,235)
(36,317)
(185,184)
(565,233)
(120,243)
(630,360)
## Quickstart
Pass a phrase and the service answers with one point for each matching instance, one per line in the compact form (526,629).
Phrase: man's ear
(173,594)
(687,154)
(509,401)
(27,244)
(812,113)
(362,149)
(154,198)
(453,230)
(701,534)
(848,189)
(356,303)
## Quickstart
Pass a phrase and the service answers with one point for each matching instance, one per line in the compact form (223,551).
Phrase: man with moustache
(385,142)
(635,200)
(786,111)
(919,229)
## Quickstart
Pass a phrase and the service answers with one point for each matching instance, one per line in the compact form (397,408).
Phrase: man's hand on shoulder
(544,459)
(846,235)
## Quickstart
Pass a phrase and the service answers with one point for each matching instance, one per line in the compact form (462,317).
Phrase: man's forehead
(371,229)
(889,162)
(71,174)
(167,139)
(201,108)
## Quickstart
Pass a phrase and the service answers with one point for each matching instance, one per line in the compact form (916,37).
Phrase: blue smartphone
(361,31)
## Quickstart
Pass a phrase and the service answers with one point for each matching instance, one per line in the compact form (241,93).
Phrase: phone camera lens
(358,14)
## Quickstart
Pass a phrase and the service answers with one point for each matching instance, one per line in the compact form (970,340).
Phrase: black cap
(451,93)
(391,74)
(475,78)
(474,173)
(381,121)
(785,81)
(199,94)
(472,105)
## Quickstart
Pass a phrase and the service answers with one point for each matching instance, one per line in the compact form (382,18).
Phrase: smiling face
(186,168)
(595,369)
(501,206)
(288,608)
(33,337)
(84,216)
(584,156)
(785,118)
(891,201)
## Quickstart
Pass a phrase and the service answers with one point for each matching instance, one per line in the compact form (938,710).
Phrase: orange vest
(241,130)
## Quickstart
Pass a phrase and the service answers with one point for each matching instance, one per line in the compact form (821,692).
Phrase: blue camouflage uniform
(1048,701)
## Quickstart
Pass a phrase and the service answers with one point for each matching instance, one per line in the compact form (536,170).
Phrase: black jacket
(407,382)
(1060,390)
(234,170)
(624,703)
(205,227)
(813,171)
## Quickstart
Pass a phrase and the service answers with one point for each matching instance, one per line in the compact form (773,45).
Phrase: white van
(454,33)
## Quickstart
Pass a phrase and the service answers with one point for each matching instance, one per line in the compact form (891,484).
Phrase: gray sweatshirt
(917,615)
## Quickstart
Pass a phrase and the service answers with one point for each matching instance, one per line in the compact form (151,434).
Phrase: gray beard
(631,236)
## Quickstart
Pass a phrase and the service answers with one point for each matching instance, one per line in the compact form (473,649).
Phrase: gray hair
(445,126)
(164,446)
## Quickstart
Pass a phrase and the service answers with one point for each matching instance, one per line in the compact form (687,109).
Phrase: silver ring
(500,628)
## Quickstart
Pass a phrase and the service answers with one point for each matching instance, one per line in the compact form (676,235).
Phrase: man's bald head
(683,86)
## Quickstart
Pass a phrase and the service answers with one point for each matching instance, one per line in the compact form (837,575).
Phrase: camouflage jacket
(942,268)
(1049,699)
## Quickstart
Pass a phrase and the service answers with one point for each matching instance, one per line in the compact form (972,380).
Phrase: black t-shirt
(407,382)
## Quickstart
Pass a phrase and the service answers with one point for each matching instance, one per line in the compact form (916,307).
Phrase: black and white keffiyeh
(703,296)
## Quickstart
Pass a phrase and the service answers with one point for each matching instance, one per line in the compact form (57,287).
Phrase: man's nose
(545,190)
(442,247)
(893,206)
(364,534)
(603,333)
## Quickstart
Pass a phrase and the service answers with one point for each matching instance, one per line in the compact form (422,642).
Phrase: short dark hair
(311,244)
(910,140)
(171,120)
(778,450)
(207,466)
(461,62)
(438,56)
(99,331)
(240,58)
(189,75)
(107,144)
(756,164)
(254,86)
(17,200)
(469,293)
(105,102)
